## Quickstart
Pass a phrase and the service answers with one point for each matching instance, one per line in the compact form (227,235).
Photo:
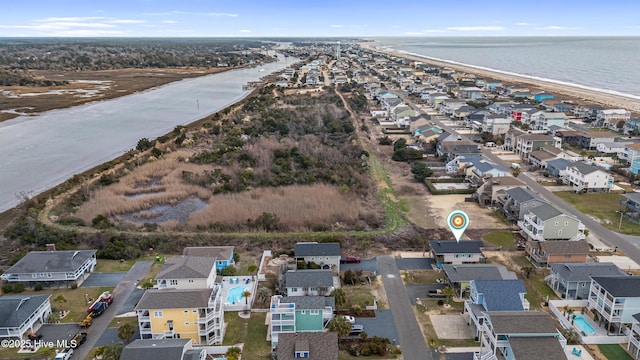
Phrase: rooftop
(521,194)
(175,299)
(565,247)
(218,252)
(14,310)
(308,278)
(187,267)
(303,249)
(585,168)
(546,211)
(584,272)
(528,348)
(500,295)
(522,322)
(310,302)
(51,261)
(148,349)
(467,272)
(620,286)
(321,345)
(453,246)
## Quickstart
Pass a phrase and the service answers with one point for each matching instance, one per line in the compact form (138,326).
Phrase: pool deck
(229,282)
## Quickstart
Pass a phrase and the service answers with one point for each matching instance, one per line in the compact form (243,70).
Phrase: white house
(327,255)
(614,300)
(52,267)
(187,272)
(587,178)
(309,282)
(610,118)
(21,313)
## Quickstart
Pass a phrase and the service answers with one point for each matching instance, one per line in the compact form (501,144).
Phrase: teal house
(296,314)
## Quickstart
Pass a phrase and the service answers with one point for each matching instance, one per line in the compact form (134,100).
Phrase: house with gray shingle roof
(309,282)
(632,203)
(615,300)
(222,254)
(494,295)
(320,346)
(633,346)
(573,280)
(162,349)
(60,267)
(298,314)
(187,272)
(518,201)
(587,178)
(460,276)
(20,313)
(182,313)
(456,252)
(495,188)
(521,335)
(327,255)
(545,222)
(557,168)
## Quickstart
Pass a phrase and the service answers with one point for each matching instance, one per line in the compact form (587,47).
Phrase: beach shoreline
(579,95)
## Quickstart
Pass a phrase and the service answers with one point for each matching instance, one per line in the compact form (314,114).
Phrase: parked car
(349,318)
(356,329)
(350,259)
(64,354)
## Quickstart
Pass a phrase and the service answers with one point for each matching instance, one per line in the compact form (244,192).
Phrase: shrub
(7,288)
(74,285)
(18,288)
(228,270)
(38,287)
(252,268)
(440,302)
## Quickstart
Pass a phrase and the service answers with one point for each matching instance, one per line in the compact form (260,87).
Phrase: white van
(490,144)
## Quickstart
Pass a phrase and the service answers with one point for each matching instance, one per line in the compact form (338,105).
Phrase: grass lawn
(358,295)
(252,332)
(117,322)
(614,352)
(605,210)
(421,276)
(12,353)
(500,238)
(76,302)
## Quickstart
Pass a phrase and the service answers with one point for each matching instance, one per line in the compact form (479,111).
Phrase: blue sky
(356,18)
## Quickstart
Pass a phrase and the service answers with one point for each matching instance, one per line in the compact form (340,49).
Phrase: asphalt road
(120,295)
(409,334)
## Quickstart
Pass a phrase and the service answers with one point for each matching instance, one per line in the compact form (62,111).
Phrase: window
(49,275)
(187,323)
(313,289)
(173,282)
(35,276)
(157,314)
(190,280)
(314,312)
(556,223)
(194,311)
(185,311)
(559,232)
(42,275)
(302,354)
(294,289)
(303,312)
(566,223)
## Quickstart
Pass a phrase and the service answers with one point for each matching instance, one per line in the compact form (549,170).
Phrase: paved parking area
(382,325)
(459,356)
(131,302)
(103,279)
(415,263)
(58,332)
(451,327)
(364,265)
(110,336)
(421,291)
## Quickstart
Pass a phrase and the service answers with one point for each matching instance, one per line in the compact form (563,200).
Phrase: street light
(620,223)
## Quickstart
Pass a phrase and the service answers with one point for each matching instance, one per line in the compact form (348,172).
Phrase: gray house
(157,349)
(52,267)
(309,282)
(545,222)
(460,276)
(572,281)
(327,255)
(632,203)
(457,252)
(558,167)
(518,201)
(19,314)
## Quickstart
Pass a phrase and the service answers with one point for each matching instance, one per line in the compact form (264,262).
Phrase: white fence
(556,308)
(265,254)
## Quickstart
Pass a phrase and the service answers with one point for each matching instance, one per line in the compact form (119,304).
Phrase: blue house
(557,167)
(540,97)
(494,295)
(222,254)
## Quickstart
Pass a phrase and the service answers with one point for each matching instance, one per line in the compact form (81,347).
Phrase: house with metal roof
(456,252)
(52,267)
(614,300)
(222,254)
(321,346)
(523,335)
(573,280)
(459,276)
(327,255)
(187,272)
(518,201)
(587,178)
(494,295)
(309,282)
(20,314)
(299,314)
(162,349)
(545,222)
(196,314)
(545,253)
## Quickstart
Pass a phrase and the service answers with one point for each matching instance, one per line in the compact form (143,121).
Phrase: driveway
(110,336)
(421,291)
(382,325)
(103,279)
(58,332)
(409,333)
(120,293)
(415,263)
(364,265)
(131,302)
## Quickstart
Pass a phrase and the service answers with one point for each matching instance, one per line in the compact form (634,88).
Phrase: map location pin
(458,222)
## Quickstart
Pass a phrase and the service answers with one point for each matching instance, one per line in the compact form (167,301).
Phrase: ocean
(607,64)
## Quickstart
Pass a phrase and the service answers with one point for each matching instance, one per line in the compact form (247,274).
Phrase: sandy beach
(566,92)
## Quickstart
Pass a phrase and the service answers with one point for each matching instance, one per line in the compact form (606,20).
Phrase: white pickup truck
(64,354)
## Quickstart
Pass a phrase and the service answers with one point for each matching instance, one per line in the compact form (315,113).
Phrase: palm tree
(340,296)
(246,295)
(112,352)
(233,353)
(126,332)
(340,325)
(448,292)
(60,299)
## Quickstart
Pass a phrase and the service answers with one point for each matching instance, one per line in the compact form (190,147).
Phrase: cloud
(169,22)
(554,27)
(126,21)
(434,31)
(69,19)
(336,26)
(221,14)
(245,31)
(476,28)
(413,33)
(523,24)
(177,12)
(87,32)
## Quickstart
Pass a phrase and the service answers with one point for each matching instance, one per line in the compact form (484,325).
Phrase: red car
(350,259)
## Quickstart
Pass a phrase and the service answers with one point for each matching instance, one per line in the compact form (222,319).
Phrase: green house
(294,314)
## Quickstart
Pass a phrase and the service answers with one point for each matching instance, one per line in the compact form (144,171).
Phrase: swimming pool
(584,326)
(235,294)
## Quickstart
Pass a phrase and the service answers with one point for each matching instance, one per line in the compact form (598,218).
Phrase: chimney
(51,247)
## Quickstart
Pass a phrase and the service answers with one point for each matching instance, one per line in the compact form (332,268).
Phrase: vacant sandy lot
(479,218)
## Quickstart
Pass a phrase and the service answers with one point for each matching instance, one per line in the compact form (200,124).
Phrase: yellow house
(182,313)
